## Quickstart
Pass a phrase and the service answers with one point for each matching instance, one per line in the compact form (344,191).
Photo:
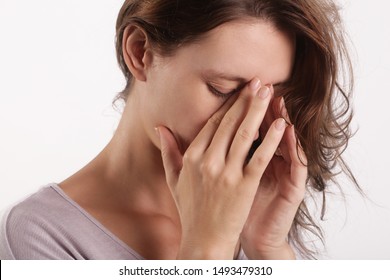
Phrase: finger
(228,128)
(298,158)
(280,111)
(204,137)
(243,139)
(171,156)
(269,115)
(263,155)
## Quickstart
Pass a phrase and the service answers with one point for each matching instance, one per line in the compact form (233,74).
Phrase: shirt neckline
(116,239)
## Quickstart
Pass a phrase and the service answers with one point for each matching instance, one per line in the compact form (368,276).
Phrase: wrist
(206,250)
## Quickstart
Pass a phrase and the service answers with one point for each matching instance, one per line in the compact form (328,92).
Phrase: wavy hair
(317,95)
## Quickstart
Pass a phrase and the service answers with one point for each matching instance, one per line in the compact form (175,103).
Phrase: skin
(172,182)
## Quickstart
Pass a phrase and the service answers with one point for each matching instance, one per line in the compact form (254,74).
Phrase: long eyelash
(220,94)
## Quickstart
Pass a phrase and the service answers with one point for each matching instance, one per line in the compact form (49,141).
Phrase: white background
(58,76)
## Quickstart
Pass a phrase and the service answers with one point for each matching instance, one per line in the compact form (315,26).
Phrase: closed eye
(221,94)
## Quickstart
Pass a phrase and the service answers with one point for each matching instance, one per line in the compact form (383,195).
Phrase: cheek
(191,113)
(183,103)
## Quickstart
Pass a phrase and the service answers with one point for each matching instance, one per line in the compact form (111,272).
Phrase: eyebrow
(241,80)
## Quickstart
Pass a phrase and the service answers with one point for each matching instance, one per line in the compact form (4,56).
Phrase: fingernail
(271,89)
(280,124)
(157,131)
(283,110)
(264,92)
(255,84)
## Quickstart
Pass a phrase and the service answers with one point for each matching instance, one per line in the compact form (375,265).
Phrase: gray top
(50,225)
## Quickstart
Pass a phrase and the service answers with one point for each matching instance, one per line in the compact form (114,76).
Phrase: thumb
(171,156)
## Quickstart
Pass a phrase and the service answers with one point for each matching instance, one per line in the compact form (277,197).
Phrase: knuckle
(261,105)
(164,151)
(190,157)
(229,179)
(245,134)
(228,121)
(210,168)
(261,160)
(215,120)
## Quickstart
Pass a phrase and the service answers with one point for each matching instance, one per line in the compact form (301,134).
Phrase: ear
(136,51)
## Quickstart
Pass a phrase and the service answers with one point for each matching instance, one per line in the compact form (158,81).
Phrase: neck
(133,165)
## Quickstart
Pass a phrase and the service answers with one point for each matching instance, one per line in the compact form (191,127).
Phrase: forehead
(247,49)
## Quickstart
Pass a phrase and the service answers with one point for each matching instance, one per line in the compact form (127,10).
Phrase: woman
(230,118)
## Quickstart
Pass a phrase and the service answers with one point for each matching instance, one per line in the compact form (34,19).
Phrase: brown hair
(318,105)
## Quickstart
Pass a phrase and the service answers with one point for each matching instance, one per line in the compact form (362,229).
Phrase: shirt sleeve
(27,236)
(5,250)
(241,255)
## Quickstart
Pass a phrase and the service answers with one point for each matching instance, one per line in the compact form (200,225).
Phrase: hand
(278,197)
(212,187)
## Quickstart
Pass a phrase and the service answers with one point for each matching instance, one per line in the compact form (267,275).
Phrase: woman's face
(183,91)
